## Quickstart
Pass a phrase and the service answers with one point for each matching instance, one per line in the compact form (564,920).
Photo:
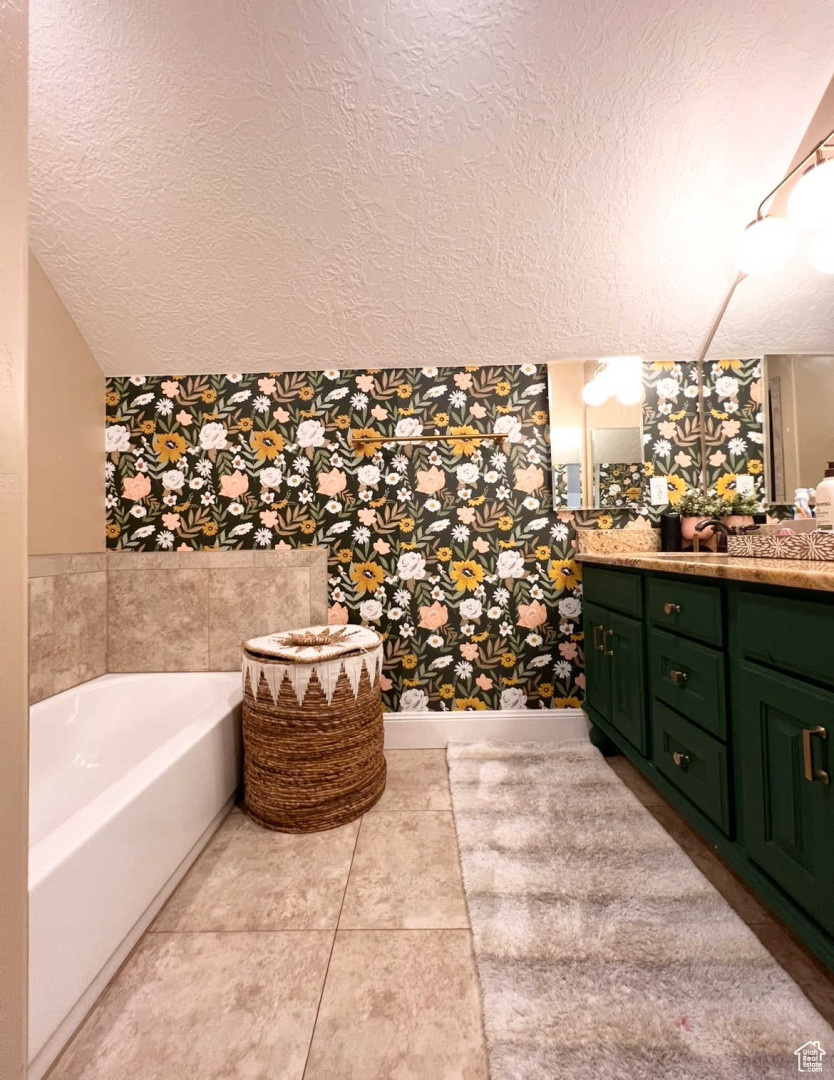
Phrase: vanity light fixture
(765,245)
(821,250)
(811,203)
(616,376)
(770,239)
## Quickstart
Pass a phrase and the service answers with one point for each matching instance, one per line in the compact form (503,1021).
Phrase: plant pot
(738,521)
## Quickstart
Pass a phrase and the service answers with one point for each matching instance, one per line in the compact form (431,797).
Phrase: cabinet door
(787,819)
(597,668)
(623,641)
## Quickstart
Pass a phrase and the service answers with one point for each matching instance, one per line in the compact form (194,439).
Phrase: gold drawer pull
(678,677)
(819,776)
(671,609)
(598,639)
(608,634)
(681,760)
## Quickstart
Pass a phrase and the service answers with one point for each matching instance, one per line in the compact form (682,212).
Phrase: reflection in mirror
(800,415)
(596,433)
(787,316)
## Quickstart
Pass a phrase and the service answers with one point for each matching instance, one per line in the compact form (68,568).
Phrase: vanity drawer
(687,608)
(690,678)
(794,635)
(617,589)
(694,762)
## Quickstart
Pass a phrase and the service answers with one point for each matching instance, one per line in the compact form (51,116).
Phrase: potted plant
(738,513)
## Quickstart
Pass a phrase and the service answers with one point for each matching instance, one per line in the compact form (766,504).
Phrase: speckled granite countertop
(787,573)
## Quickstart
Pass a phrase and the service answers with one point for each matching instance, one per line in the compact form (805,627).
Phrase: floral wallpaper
(671,426)
(734,425)
(620,484)
(450,549)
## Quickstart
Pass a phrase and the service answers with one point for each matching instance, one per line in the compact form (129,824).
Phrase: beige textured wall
(13,711)
(66,425)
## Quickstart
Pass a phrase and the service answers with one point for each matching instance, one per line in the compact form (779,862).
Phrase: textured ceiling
(790,311)
(254,184)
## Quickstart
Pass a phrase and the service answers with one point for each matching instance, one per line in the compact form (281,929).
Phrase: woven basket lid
(314,644)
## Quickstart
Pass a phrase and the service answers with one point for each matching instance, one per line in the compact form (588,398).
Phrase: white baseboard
(72,1021)
(433,730)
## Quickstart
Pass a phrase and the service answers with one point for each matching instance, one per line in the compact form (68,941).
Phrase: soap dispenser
(824,505)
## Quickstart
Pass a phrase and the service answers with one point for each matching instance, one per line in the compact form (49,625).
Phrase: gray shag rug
(602,952)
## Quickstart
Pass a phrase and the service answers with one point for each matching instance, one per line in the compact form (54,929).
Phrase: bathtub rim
(65,839)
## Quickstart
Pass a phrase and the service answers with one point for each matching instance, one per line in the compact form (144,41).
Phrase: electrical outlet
(658,491)
(745,485)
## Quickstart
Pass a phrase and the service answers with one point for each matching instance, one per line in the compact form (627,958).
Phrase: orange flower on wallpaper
(466,514)
(168,448)
(480,545)
(730,428)
(484,681)
(366,515)
(266,386)
(466,575)
(378,413)
(281,415)
(529,479)
(367,577)
(463,380)
(266,444)
(233,485)
(433,617)
(363,450)
(184,419)
(478,411)
(756,391)
(430,481)
(381,547)
(469,651)
(136,487)
(171,521)
(170,388)
(532,615)
(463,445)
(337,615)
(269,518)
(332,483)
(365,383)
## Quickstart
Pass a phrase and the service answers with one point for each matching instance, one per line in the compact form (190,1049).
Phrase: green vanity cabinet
(788,814)
(722,693)
(614,663)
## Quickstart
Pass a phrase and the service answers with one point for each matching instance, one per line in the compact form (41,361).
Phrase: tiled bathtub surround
(67,621)
(190,611)
(90,614)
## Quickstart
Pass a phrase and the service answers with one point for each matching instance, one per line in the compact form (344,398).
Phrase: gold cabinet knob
(671,609)
(678,677)
(681,760)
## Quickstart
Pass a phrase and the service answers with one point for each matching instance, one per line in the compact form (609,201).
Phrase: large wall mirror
(596,433)
(787,318)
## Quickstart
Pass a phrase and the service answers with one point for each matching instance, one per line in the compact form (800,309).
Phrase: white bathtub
(129,774)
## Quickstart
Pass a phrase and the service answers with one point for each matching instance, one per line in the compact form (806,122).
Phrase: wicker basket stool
(312,727)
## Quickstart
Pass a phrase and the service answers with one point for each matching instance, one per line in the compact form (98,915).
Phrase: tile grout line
(332,947)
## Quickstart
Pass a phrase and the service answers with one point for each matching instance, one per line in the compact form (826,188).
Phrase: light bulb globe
(630,393)
(821,251)
(595,392)
(811,203)
(765,245)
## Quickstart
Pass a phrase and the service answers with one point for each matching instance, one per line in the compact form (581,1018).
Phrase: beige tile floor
(343,955)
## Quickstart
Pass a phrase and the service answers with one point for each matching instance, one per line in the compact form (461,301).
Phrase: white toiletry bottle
(825,497)
(802,503)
